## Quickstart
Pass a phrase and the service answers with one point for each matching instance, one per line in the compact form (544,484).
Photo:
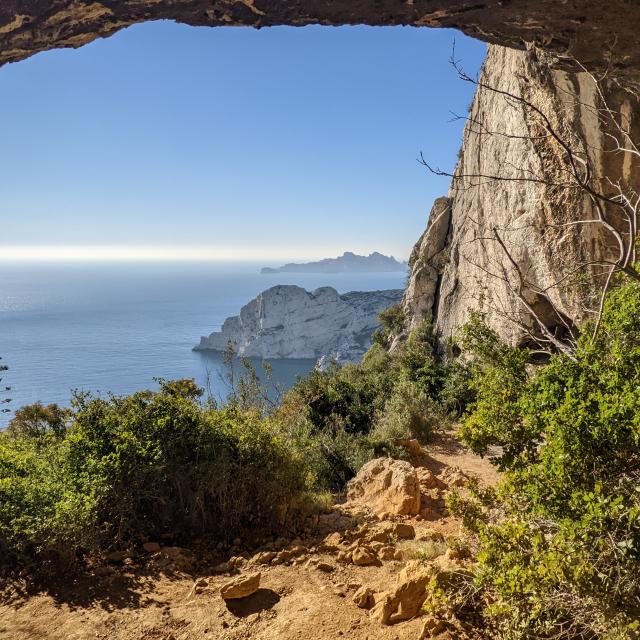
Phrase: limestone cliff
(457,263)
(286,321)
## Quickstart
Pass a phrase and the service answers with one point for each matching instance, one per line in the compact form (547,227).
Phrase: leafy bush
(142,466)
(559,543)
(37,420)
(392,325)
(408,413)
(346,398)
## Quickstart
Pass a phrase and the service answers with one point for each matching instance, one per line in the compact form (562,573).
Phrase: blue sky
(171,141)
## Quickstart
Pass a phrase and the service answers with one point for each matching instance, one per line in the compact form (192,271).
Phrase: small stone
(117,556)
(345,556)
(151,547)
(325,567)
(404,531)
(264,557)
(174,552)
(432,627)
(364,598)
(237,562)
(240,587)
(364,557)
(387,553)
(332,542)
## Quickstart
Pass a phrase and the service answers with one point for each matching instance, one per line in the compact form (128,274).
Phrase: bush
(392,325)
(146,465)
(559,543)
(37,420)
(408,413)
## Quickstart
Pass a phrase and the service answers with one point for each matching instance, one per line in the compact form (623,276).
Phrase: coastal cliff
(456,265)
(287,321)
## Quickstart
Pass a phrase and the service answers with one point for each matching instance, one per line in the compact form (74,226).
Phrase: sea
(112,328)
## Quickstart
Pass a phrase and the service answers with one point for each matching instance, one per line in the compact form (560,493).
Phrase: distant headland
(348,262)
(287,321)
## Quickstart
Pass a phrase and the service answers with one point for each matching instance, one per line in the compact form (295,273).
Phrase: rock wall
(287,321)
(456,265)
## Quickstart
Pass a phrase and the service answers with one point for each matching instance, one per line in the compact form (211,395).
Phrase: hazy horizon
(17,254)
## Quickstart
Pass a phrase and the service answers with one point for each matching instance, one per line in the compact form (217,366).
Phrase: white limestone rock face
(454,264)
(287,321)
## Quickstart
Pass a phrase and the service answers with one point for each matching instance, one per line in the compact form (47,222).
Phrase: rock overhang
(600,35)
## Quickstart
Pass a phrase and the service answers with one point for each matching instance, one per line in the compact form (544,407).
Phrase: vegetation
(4,390)
(111,472)
(140,466)
(559,541)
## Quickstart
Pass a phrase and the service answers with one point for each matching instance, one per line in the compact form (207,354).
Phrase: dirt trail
(310,596)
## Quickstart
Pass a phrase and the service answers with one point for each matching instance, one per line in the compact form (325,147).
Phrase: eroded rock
(406,599)
(388,487)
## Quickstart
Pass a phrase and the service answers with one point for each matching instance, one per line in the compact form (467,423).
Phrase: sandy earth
(150,601)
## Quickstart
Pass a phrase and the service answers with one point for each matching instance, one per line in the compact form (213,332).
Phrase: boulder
(402,530)
(387,486)
(406,600)
(241,586)
(428,480)
(387,553)
(455,477)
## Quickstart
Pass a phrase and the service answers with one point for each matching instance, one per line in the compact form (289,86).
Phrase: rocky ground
(358,572)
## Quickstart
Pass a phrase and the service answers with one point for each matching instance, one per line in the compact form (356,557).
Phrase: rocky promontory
(287,321)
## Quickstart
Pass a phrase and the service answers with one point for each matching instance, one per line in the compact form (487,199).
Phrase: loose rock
(240,587)
(406,600)
(364,598)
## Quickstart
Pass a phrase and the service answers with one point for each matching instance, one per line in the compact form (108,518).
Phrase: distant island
(348,262)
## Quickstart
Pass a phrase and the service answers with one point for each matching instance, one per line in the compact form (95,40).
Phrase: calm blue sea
(114,327)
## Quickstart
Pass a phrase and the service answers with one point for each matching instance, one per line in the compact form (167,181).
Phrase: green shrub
(346,398)
(146,465)
(37,420)
(559,543)
(408,413)
(392,325)
(498,379)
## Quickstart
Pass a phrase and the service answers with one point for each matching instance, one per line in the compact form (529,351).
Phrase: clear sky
(171,141)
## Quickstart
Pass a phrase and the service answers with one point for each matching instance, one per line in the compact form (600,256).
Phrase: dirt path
(308,597)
